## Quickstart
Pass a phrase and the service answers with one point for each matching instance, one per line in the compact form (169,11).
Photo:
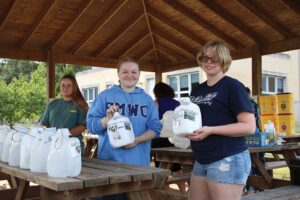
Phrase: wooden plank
(256,71)
(143,195)
(38,21)
(32,192)
(199,20)
(22,189)
(150,30)
(275,165)
(167,195)
(121,172)
(265,18)
(57,184)
(99,25)
(291,192)
(7,14)
(96,191)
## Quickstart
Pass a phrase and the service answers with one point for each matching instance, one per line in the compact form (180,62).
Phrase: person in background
(256,111)
(255,108)
(132,102)
(68,111)
(164,99)
(223,161)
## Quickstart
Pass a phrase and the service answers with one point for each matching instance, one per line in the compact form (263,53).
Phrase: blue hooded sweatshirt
(141,111)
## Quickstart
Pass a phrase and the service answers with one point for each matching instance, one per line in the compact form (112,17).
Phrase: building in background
(280,73)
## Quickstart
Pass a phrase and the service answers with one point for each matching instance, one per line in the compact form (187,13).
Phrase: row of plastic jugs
(40,149)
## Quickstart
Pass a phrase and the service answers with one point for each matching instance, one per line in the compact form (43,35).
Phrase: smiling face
(129,74)
(66,89)
(210,64)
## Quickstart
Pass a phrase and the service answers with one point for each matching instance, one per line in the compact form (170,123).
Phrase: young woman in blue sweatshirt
(129,101)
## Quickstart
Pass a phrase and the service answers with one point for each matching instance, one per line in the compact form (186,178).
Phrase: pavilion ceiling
(163,35)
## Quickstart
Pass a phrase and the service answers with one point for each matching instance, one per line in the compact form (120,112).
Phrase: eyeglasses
(205,59)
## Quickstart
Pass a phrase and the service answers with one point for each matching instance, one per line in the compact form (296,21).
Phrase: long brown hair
(77,97)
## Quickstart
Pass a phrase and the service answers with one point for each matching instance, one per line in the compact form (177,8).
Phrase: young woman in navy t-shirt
(223,162)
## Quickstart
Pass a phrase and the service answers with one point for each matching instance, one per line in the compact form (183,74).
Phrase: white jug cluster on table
(120,131)
(182,121)
(42,150)
(66,151)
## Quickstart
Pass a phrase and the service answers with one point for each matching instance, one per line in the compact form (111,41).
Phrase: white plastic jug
(120,131)
(4,130)
(40,150)
(167,122)
(66,151)
(15,148)
(26,145)
(6,146)
(187,118)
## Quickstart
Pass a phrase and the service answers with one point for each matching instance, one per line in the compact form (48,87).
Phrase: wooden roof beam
(83,7)
(43,15)
(179,65)
(200,21)
(11,6)
(100,23)
(293,5)
(144,53)
(164,20)
(172,53)
(150,30)
(166,55)
(232,20)
(119,33)
(179,45)
(265,18)
(135,43)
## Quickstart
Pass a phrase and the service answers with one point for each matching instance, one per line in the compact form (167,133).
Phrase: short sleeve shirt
(220,104)
(63,114)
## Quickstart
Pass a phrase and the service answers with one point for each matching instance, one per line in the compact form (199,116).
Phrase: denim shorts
(233,169)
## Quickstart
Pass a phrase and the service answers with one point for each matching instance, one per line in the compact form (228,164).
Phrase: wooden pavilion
(164,35)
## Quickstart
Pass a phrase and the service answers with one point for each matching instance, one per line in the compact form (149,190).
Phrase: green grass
(282,173)
(297,128)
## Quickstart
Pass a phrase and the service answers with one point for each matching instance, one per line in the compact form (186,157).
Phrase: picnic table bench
(291,192)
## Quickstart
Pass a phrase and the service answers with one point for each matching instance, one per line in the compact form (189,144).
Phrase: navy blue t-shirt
(219,104)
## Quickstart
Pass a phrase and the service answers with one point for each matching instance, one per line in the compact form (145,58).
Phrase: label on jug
(75,149)
(117,128)
(183,114)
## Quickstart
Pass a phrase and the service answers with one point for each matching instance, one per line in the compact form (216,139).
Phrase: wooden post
(50,76)
(256,71)
(158,73)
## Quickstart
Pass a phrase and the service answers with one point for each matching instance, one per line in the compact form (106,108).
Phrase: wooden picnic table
(97,178)
(291,138)
(167,156)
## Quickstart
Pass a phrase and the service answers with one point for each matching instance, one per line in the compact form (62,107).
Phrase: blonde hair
(219,50)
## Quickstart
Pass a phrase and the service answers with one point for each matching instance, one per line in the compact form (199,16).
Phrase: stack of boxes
(279,109)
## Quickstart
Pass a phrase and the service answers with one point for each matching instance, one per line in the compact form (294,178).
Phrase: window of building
(90,94)
(150,82)
(272,84)
(183,83)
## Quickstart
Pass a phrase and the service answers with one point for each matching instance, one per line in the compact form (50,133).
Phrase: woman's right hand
(111,111)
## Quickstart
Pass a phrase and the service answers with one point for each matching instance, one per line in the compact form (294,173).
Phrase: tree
(23,100)
(10,68)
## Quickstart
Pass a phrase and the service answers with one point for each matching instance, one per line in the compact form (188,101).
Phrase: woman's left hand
(200,134)
(128,146)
